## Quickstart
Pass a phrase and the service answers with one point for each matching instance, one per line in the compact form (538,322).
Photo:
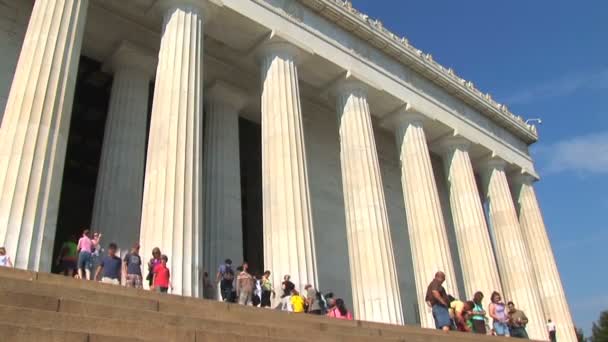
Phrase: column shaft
(222,180)
(288,230)
(426,226)
(477,259)
(35,128)
(518,281)
(549,283)
(172,203)
(376,295)
(119,190)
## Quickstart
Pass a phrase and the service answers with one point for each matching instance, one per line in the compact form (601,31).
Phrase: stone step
(72,293)
(22,333)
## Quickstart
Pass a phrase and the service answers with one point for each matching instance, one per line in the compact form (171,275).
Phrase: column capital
(200,7)
(451,143)
(493,163)
(351,86)
(226,93)
(523,178)
(131,56)
(281,48)
(402,117)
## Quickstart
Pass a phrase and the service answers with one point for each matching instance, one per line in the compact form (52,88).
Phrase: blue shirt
(111,267)
(133,264)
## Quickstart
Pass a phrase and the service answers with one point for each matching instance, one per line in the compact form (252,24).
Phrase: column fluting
(516,274)
(223,237)
(119,189)
(550,287)
(35,126)
(426,226)
(172,203)
(289,246)
(376,294)
(477,259)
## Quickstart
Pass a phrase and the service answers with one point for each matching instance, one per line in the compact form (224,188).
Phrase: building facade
(299,133)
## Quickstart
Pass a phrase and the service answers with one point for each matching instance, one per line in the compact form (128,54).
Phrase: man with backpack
(225,276)
(314,301)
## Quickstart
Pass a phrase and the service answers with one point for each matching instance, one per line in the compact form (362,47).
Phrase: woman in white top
(5,260)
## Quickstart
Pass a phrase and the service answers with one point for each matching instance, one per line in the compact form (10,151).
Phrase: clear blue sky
(547,59)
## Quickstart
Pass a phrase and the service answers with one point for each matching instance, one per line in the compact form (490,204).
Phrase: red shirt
(162,276)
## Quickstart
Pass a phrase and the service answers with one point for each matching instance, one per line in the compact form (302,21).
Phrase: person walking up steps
(161,280)
(85,248)
(132,268)
(110,267)
(225,277)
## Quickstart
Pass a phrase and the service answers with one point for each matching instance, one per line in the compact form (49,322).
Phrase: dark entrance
(83,151)
(251,192)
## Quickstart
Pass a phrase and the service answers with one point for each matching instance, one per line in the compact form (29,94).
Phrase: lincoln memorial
(301,136)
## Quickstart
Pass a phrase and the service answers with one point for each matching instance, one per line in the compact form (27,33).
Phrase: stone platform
(46,307)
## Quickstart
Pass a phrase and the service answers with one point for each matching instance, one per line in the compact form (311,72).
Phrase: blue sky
(547,59)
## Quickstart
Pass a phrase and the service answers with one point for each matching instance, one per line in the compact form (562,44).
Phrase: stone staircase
(46,307)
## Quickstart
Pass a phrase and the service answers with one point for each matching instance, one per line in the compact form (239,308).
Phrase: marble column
(516,273)
(119,190)
(34,133)
(477,259)
(289,246)
(425,223)
(376,295)
(547,277)
(172,203)
(223,237)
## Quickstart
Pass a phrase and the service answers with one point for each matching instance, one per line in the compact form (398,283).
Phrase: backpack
(322,302)
(228,273)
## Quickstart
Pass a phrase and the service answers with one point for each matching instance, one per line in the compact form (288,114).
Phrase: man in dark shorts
(225,276)
(437,299)
(132,268)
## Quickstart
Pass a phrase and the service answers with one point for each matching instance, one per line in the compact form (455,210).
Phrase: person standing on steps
(498,314)
(437,299)
(267,290)
(244,285)
(161,279)
(517,322)
(225,278)
(155,260)
(5,260)
(478,315)
(551,330)
(110,267)
(338,310)
(132,268)
(313,301)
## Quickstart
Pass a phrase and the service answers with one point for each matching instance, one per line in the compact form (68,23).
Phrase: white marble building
(379,166)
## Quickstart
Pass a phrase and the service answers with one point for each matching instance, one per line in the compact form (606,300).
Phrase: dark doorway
(83,151)
(250,134)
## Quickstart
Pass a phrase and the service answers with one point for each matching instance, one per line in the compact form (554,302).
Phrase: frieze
(425,60)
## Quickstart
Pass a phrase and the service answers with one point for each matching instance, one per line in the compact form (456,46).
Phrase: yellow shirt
(297,303)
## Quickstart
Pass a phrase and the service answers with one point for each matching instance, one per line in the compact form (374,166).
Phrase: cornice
(371,30)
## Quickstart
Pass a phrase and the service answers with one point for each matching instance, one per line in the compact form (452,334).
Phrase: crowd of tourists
(450,313)
(84,260)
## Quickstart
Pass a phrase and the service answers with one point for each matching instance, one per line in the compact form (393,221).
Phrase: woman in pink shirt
(339,311)
(85,248)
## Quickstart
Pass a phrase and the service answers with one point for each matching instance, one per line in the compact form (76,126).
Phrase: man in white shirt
(551,330)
